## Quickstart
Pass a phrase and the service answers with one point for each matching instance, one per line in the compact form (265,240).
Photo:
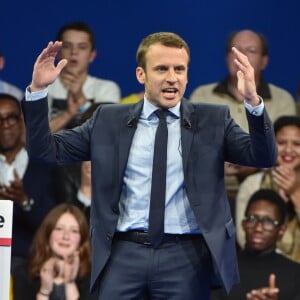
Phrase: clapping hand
(59,271)
(14,191)
(288,184)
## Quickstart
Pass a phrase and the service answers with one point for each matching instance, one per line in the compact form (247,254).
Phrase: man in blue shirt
(196,248)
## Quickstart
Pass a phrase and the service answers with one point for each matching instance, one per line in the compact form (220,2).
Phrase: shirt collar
(149,109)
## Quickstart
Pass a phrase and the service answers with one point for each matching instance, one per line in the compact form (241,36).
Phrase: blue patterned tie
(158,187)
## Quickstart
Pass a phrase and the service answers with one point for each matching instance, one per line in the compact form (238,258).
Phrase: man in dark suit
(197,247)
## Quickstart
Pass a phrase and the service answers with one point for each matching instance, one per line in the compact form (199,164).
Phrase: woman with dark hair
(60,259)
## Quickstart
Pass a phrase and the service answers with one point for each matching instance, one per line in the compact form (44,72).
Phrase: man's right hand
(45,71)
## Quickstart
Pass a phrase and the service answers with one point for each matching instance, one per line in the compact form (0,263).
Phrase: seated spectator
(277,100)
(264,273)
(8,88)
(284,178)
(29,184)
(75,185)
(74,180)
(60,259)
(75,89)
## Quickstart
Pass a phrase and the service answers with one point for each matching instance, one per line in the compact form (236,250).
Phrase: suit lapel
(127,129)
(129,123)
(188,125)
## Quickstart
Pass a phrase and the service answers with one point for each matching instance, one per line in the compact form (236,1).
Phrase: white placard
(6,213)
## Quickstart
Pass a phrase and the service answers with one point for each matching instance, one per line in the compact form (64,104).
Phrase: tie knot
(161,113)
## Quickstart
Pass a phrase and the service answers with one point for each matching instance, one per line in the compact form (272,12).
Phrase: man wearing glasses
(265,274)
(30,185)
(278,101)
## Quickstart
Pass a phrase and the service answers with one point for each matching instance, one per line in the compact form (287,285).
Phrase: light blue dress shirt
(135,197)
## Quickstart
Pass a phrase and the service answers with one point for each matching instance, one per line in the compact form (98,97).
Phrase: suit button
(108,236)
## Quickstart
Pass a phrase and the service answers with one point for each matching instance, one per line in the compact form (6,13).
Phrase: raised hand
(246,79)
(265,293)
(45,71)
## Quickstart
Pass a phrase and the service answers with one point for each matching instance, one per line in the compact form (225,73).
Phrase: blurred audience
(74,180)
(76,185)
(284,178)
(264,273)
(277,100)
(60,259)
(133,98)
(75,89)
(6,87)
(30,185)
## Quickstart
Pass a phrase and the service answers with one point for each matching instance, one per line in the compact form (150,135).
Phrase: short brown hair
(77,26)
(168,39)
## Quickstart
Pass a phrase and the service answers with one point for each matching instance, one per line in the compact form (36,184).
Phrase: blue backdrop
(27,26)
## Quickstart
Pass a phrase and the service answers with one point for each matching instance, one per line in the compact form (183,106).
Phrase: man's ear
(265,61)
(93,56)
(140,75)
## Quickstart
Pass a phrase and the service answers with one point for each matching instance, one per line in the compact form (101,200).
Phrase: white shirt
(20,164)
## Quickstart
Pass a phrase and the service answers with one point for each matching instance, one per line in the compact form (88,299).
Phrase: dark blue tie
(158,187)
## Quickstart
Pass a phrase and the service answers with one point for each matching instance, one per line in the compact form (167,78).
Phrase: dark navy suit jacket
(209,137)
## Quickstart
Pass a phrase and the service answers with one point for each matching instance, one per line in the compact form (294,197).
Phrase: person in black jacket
(265,274)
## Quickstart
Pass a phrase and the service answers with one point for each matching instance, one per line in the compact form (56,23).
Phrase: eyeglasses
(11,119)
(267,223)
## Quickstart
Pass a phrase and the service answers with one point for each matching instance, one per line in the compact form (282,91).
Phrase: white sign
(6,213)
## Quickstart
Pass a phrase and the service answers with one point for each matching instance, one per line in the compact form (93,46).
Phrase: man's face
(165,75)
(77,49)
(248,43)
(288,143)
(257,237)
(11,126)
